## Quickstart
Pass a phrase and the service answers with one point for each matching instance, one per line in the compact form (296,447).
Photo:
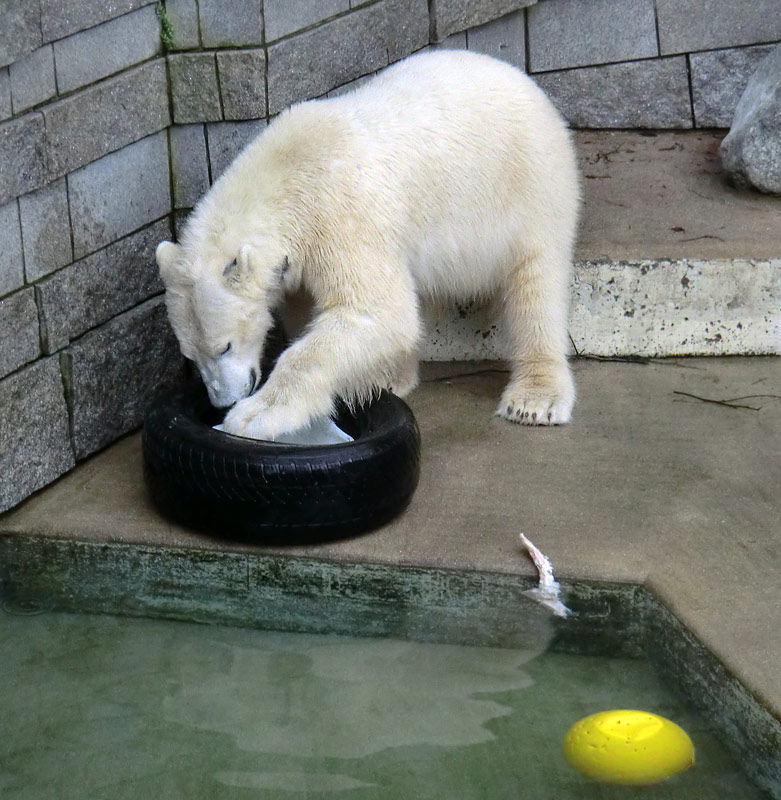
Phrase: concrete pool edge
(299,593)
(287,592)
(744,724)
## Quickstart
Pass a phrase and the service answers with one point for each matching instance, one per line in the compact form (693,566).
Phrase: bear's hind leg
(536,302)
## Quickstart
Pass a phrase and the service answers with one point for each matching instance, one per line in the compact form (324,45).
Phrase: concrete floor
(664,195)
(645,486)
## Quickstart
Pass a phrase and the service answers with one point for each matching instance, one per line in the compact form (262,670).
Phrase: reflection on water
(368,694)
(97,707)
(291,782)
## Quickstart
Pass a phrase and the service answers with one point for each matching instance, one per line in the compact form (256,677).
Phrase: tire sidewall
(239,488)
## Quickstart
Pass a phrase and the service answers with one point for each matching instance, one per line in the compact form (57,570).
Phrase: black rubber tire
(278,493)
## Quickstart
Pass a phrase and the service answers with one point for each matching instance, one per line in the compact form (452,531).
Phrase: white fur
(448,176)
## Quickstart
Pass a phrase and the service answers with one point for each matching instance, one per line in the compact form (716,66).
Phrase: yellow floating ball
(632,747)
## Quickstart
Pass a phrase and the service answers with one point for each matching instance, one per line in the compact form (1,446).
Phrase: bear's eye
(227,348)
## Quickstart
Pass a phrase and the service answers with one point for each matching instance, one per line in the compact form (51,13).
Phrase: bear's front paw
(255,418)
(248,418)
(536,403)
(238,420)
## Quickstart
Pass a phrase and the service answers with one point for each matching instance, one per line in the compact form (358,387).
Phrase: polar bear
(447,177)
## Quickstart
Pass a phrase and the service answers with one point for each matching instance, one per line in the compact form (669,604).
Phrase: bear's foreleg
(344,353)
(536,302)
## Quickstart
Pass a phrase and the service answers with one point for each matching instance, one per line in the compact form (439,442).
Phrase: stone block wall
(657,64)
(649,63)
(85,194)
(116,117)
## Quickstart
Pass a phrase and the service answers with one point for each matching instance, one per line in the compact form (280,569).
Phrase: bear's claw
(537,408)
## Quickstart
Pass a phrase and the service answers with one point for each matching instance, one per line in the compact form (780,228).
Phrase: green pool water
(104,707)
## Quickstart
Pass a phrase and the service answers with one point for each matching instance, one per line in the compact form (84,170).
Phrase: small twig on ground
(669,362)
(614,203)
(706,236)
(753,397)
(621,359)
(606,155)
(726,403)
(445,378)
(625,359)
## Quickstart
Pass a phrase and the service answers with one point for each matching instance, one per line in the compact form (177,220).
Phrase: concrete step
(671,260)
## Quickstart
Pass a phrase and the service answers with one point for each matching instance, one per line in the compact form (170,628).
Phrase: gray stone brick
(105,117)
(116,370)
(46,233)
(405,24)
(60,18)
(288,16)
(180,220)
(118,194)
(640,94)
(503,38)
(452,16)
(34,443)
(189,164)
(688,25)
(226,23)
(243,83)
(183,16)
(570,33)
(100,286)
(113,46)
(456,41)
(22,156)
(5,94)
(20,31)
(20,341)
(718,79)
(11,264)
(349,87)
(312,63)
(196,94)
(227,139)
(32,79)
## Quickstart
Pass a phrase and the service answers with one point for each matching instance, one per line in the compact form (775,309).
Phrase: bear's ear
(167,254)
(253,274)
(237,274)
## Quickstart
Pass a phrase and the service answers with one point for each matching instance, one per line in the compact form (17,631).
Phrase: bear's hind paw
(537,406)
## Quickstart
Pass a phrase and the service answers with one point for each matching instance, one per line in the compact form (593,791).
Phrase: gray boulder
(751,151)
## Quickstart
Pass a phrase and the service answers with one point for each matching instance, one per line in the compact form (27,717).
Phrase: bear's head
(220,308)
